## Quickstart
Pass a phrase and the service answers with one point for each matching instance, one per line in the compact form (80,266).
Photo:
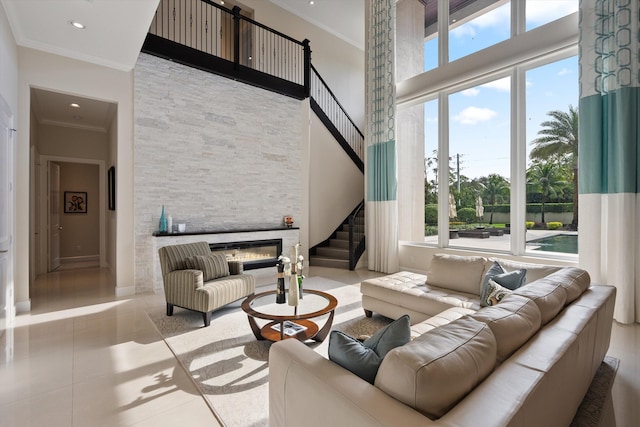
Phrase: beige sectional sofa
(526,361)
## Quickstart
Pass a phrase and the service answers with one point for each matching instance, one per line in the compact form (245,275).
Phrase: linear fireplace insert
(253,253)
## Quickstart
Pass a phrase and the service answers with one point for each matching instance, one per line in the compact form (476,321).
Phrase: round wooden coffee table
(313,304)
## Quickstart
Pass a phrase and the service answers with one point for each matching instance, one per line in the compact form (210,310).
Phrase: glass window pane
(479,150)
(552,144)
(540,12)
(431,171)
(475,25)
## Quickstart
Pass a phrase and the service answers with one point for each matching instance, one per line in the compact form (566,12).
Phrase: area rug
(230,366)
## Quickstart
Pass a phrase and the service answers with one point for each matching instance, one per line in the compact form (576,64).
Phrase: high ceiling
(114,34)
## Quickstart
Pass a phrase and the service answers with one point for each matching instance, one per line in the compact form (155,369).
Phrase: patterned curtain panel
(609,155)
(380,170)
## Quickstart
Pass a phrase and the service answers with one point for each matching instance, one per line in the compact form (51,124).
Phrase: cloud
(540,11)
(564,72)
(474,115)
(499,17)
(464,31)
(502,85)
(470,92)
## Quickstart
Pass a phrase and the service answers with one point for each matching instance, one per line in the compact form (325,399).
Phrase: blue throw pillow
(364,358)
(509,280)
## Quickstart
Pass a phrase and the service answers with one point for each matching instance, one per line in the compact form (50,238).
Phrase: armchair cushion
(213,266)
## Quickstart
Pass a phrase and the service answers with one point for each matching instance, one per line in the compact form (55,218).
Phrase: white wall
(71,142)
(8,63)
(80,234)
(9,93)
(339,63)
(336,183)
(59,74)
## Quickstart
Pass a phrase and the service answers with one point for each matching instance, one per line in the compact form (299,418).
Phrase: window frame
(525,50)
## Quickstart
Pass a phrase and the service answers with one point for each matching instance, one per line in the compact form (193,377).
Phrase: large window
(495,123)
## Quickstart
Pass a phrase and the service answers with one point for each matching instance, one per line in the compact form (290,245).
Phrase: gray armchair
(197,279)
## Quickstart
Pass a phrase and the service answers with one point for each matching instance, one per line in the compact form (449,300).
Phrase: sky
(480,116)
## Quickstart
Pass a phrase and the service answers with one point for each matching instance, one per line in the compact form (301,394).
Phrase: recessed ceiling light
(74,105)
(221,1)
(77,25)
(311,2)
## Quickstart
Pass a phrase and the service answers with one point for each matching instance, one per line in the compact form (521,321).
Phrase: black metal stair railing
(356,235)
(335,118)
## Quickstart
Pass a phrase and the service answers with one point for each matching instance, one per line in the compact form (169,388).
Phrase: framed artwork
(111,182)
(75,202)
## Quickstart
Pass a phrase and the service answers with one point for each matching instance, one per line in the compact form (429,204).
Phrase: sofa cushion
(574,281)
(442,318)
(493,293)
(408,290)
(213,266)
(190,263)
(364,358)
(513,322)
(458,273)
(548,295)
(435,371)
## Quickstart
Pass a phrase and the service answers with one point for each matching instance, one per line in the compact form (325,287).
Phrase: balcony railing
(225,42)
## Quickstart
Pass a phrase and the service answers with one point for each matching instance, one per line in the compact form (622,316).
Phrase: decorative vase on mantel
(163,222)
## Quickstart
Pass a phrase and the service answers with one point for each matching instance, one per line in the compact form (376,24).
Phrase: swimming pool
(566,243)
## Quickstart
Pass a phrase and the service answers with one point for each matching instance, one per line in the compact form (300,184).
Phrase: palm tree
(545,178)
(559,141)
(495,189)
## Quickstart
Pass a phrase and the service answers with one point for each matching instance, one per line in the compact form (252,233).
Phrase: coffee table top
(313,304)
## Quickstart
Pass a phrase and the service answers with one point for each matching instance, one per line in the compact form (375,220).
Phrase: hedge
(532,208)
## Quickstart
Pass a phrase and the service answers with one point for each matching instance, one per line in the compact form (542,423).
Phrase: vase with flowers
(292,268)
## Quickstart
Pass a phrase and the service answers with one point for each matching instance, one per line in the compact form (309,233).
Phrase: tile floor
(83,357)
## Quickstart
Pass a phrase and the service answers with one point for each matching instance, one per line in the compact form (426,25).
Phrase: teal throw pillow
(493,293)
(364,358)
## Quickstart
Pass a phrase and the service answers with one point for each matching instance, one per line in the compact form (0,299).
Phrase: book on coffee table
(290,328)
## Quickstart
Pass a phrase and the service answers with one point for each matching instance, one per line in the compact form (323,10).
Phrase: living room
(39,69)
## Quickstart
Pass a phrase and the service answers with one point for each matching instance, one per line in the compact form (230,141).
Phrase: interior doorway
(74,143)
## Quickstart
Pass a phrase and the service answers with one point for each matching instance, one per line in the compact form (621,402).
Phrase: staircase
(335,251)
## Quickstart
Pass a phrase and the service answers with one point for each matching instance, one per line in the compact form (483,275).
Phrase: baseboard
(23,307)
(125,291)
(82,259)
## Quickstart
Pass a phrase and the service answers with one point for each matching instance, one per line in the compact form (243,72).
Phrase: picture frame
(75,202)
(111,190)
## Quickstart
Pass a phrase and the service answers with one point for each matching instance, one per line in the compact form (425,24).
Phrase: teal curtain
(380,162)
(609,154)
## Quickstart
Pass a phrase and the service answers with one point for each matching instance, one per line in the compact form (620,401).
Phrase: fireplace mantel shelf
(235,230)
